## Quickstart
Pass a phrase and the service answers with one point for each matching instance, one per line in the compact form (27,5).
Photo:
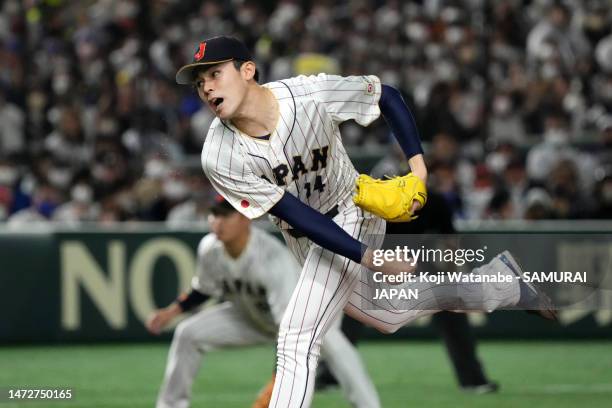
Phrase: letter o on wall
(142,267)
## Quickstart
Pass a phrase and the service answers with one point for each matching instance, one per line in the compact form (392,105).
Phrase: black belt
(295,233)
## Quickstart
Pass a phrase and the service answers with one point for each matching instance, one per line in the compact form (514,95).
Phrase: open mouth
(216,103)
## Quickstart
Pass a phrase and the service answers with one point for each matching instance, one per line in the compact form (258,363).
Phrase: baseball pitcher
(276,148)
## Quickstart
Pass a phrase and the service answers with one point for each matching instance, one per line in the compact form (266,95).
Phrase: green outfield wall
(100,285)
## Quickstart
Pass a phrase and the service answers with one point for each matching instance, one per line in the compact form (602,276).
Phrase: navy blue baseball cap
(213,51)
(220,206)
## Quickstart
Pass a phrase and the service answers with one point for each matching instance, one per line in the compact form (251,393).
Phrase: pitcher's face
(223,88)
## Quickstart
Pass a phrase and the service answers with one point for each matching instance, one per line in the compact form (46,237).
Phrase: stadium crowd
(513,99)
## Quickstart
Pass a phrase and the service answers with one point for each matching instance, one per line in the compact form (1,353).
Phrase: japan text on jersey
(304,155)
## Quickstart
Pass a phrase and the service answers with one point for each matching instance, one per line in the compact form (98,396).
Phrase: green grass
(407,374)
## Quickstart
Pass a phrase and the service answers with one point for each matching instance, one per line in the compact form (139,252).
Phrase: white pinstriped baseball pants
(330,283)
(224,325)
(218,326)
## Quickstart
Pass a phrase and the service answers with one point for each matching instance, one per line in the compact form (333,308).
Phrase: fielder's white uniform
(305,157)
(256,287)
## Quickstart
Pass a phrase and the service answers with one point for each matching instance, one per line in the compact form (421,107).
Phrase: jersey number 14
(318,186)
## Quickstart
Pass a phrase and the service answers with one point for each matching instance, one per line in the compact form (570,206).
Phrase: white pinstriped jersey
(304,154)
(259,282)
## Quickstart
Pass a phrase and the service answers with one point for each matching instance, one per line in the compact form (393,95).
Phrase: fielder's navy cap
(220,206)
(213,51)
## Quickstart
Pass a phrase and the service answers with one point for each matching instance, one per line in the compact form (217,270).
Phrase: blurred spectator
(500,206)
(81,207)
(443,180)
(538,205)
(194,210)
(505,122)
(500,156)
(563,184)
(392,164)
(555,148)
(555,42)
(438,117)
(148,189)
(515,180)
(44,202)
(604,146)
(481,193)
(603,197)
(162,189)
(8,178)
(445,149)
(110,169)
(12,131)
(67,142)
(603,54)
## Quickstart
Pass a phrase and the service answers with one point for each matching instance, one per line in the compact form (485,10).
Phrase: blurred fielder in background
(253,275)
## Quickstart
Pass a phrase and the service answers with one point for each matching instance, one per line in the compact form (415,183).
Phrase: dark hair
(561,6)
(500,198)
(238,64)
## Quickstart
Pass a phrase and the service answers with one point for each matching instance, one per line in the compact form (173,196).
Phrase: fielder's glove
(390,199)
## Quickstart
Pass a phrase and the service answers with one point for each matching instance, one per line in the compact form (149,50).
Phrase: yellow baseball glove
(390,199)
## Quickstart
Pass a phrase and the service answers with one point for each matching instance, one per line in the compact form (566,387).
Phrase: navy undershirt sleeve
(192,300)
(400,120)
(319,228)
